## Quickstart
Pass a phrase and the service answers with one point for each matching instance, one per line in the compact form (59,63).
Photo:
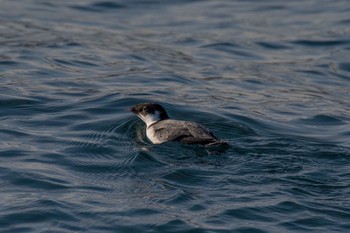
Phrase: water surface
(272,78)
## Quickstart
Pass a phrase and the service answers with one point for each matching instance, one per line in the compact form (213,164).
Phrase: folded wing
(183,131)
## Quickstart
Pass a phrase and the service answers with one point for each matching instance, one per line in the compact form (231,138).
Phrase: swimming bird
(160,128)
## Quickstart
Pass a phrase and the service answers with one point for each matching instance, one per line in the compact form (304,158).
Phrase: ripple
(324,120)
(104,156)
(275,45)
(101,6)
(344,66)
(27,210)
(248,214)
(17,102)
(321,43)
(187,177)
(9,63)
(234,49)
(98,142)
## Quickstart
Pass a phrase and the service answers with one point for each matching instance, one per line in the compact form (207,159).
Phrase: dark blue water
(272,78)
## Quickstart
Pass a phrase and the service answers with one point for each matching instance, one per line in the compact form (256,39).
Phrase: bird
(160,128)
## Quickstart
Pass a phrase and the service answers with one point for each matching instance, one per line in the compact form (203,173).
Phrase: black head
(144,109)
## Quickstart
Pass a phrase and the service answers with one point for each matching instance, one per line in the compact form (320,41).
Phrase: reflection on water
(270,78)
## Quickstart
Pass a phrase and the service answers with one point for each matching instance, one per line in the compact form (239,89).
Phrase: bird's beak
(133,110)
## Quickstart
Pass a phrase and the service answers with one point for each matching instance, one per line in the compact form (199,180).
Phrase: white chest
(152,136)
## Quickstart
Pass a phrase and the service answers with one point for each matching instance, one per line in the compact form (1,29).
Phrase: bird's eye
(145,109)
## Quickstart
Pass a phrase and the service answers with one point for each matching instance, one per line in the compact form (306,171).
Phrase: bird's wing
(184,131)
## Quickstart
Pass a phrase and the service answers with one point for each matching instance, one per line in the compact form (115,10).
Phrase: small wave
(102,155)
(321,43)
(324,119)
(102,6)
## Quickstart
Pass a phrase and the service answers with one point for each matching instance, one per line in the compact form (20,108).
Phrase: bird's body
(162,129)
(182,131)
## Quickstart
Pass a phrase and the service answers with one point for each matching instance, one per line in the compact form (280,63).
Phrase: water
(272,78)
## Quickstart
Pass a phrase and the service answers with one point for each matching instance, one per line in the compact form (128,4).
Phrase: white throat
(149,119)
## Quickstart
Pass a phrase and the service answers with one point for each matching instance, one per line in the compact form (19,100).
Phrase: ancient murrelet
(160,128)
